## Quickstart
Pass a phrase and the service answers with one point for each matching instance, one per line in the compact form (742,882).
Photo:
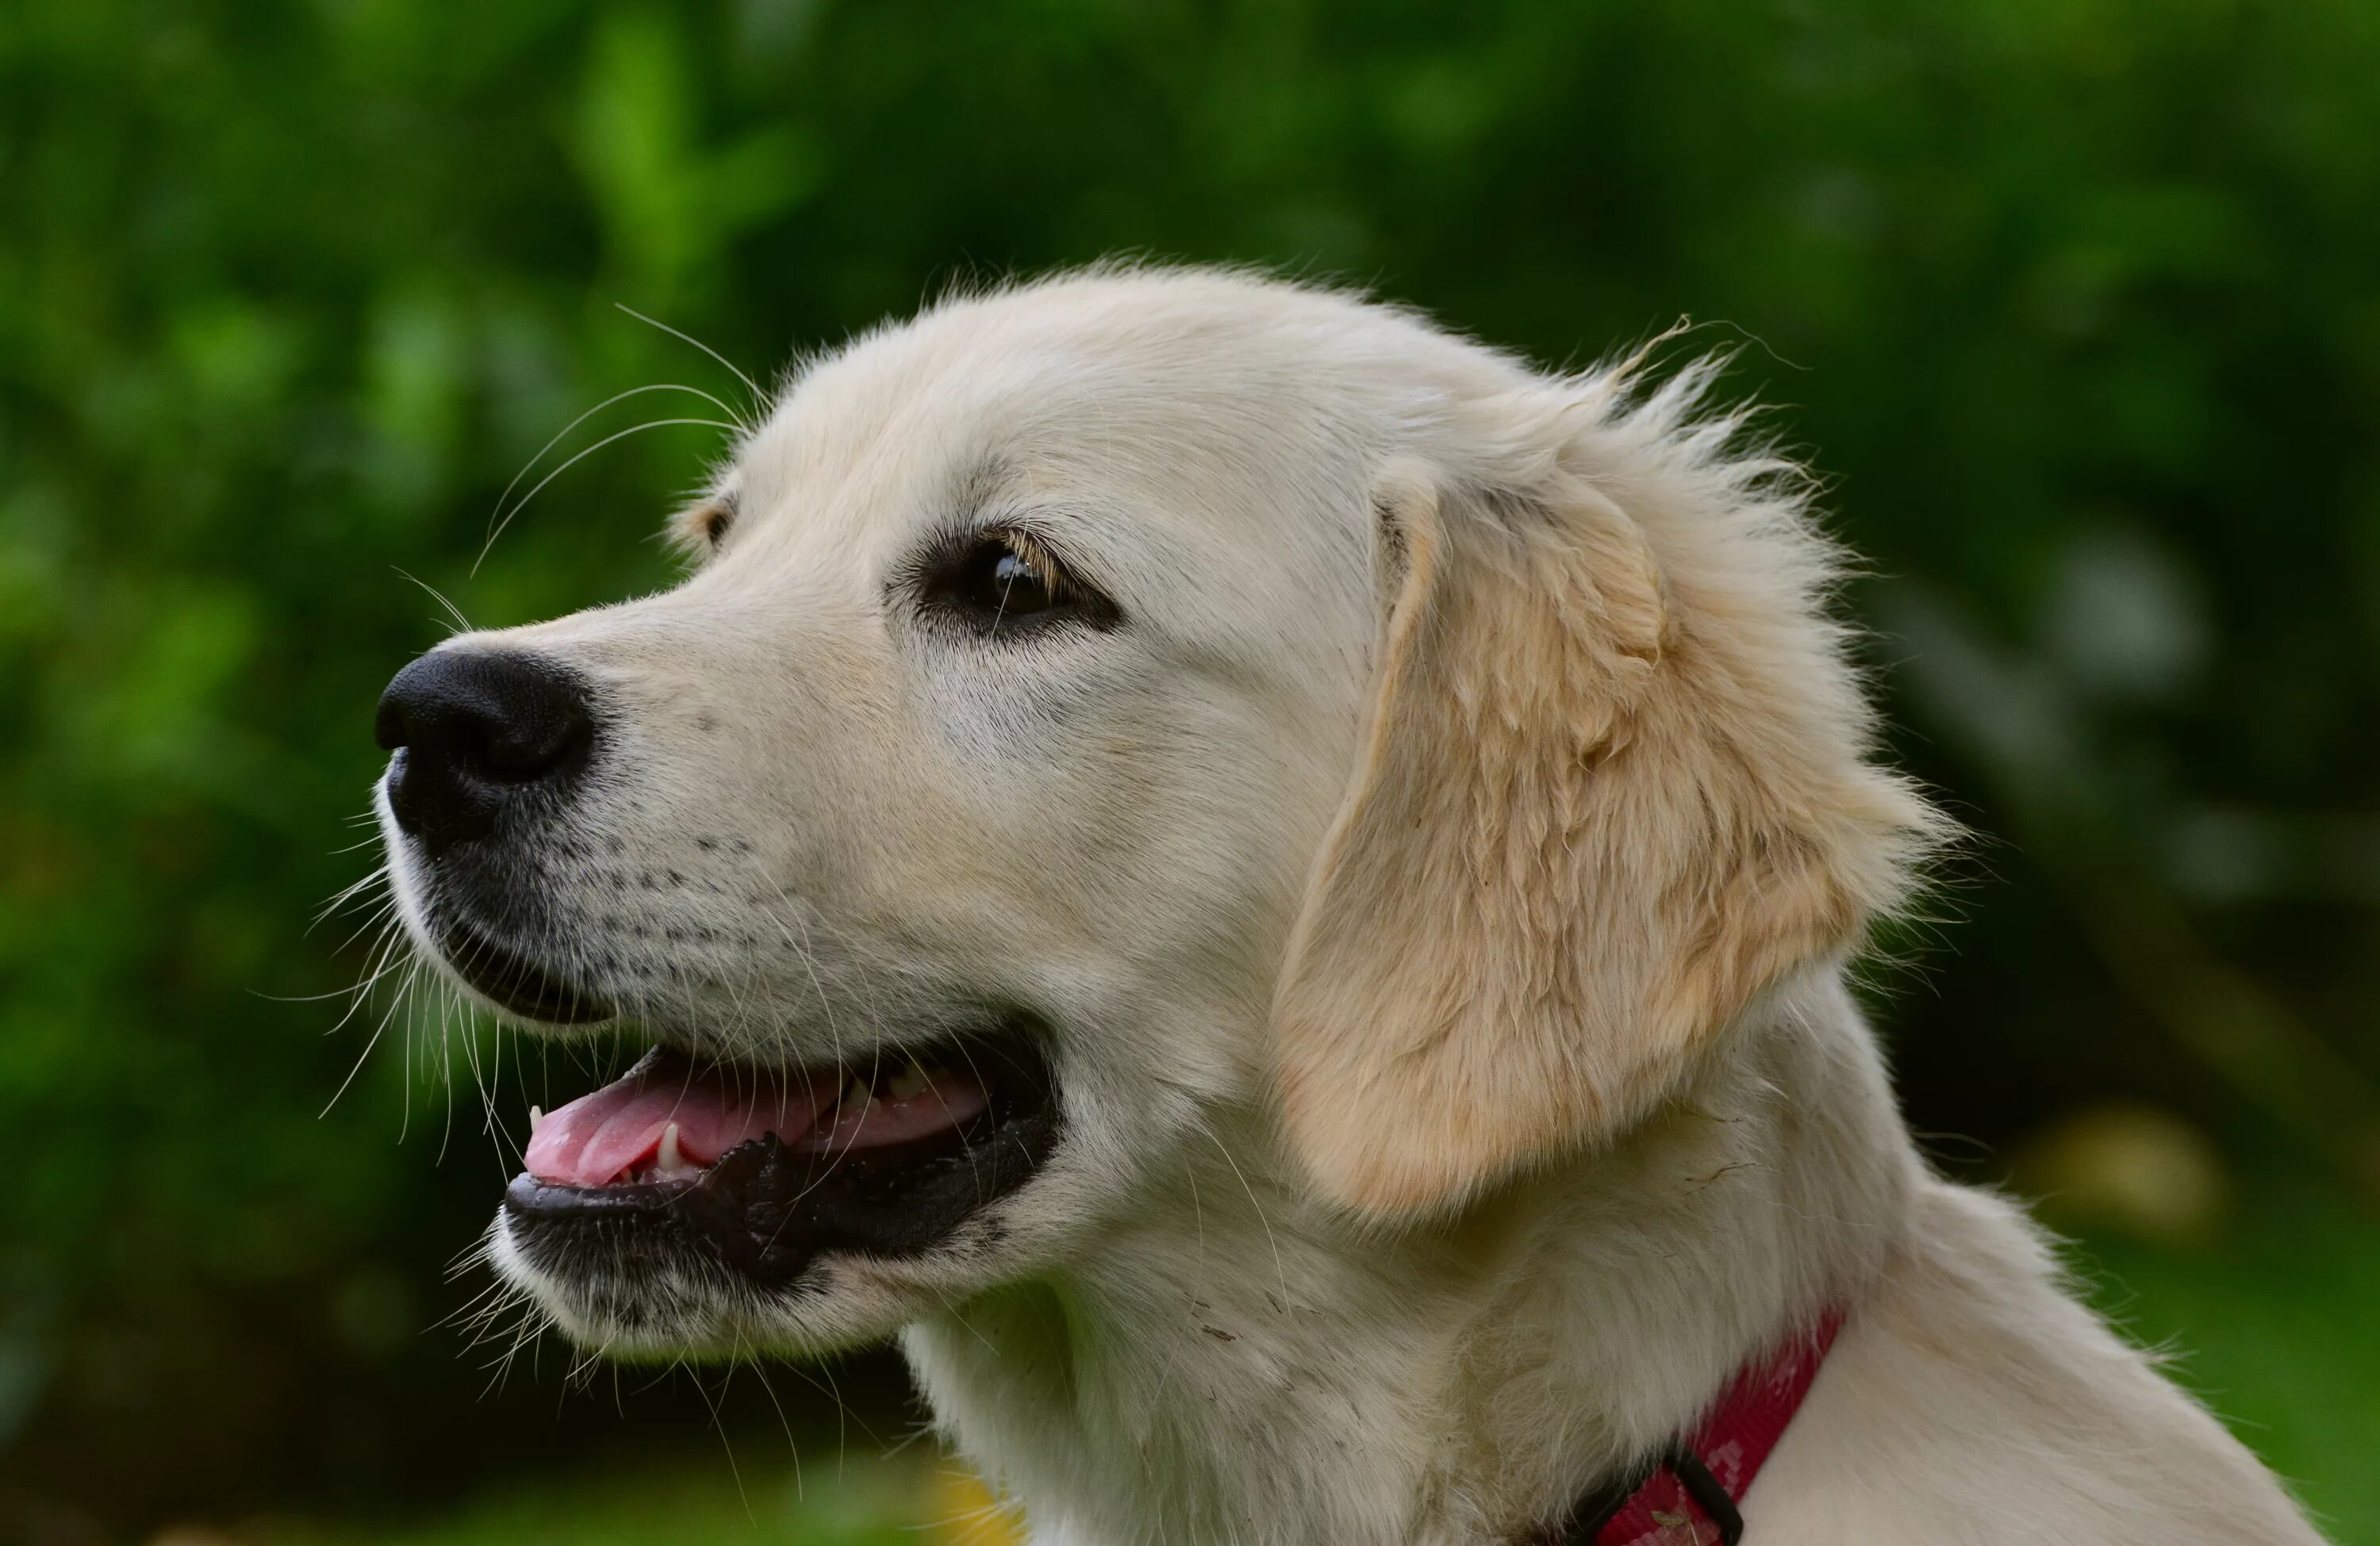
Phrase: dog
(1269,888)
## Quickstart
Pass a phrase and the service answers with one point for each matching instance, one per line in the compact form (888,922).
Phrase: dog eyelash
(1004,583)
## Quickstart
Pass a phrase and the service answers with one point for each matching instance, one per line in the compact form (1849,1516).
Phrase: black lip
(513,981)
(765,1211)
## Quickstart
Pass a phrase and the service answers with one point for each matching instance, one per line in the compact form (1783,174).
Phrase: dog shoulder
(1973,1398)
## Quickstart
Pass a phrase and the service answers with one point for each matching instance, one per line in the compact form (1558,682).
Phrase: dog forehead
(1151,389)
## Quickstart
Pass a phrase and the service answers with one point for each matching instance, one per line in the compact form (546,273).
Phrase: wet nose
(474,730)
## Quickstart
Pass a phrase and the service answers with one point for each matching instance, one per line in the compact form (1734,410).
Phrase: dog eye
(1012,583)
(1006,580)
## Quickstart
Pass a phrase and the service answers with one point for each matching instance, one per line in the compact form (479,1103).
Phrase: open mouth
(760,1172)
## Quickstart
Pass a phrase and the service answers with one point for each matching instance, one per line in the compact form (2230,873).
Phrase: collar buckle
(1704,1489)
(1586,1524)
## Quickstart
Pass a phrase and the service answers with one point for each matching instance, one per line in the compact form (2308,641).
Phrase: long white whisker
(529,466)
(346,894)
(1287,1304)
(462,623)
(758,398)
(377,922)
(361,1060)
(506,518)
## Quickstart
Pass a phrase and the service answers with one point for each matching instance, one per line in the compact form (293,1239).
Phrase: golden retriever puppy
(1268,887)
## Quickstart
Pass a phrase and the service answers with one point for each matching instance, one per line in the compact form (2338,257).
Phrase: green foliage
(2074,302)
(841,1500)
(2271,1326)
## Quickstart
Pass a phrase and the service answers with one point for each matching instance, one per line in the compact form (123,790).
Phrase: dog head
(1102,704)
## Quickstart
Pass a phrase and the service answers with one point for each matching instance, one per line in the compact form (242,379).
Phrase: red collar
(1687,1496)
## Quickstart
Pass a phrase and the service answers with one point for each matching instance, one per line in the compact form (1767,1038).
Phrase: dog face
(1098,705)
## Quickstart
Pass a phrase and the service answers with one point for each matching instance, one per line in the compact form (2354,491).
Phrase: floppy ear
(1601,803)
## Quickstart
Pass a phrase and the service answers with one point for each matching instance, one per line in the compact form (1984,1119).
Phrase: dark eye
(1005,581)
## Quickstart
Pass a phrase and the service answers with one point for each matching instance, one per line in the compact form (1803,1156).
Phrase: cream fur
(1439,885)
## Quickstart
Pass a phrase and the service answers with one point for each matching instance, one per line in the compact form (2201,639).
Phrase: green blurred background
(2075,303)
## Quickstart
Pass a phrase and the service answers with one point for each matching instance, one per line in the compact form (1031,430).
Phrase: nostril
(388,723)
(469,729)
(539,739)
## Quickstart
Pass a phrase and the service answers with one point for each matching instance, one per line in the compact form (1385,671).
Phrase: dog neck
(1243,1365)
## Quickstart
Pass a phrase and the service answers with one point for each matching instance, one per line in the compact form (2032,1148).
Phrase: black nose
(473,730)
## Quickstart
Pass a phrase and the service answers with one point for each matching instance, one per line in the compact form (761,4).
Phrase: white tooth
(855,1094)
(536,1115)
(910,1083)
(670,1159)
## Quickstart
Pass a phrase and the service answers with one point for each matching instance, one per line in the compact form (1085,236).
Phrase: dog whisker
(758,398)
(505,518)
(561,434)
(453,613)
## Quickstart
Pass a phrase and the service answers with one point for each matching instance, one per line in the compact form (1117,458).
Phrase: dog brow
(978,485)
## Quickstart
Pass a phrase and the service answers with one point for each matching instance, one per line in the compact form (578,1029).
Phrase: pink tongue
(594,1139)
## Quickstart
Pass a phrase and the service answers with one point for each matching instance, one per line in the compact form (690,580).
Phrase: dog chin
(682,1312)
